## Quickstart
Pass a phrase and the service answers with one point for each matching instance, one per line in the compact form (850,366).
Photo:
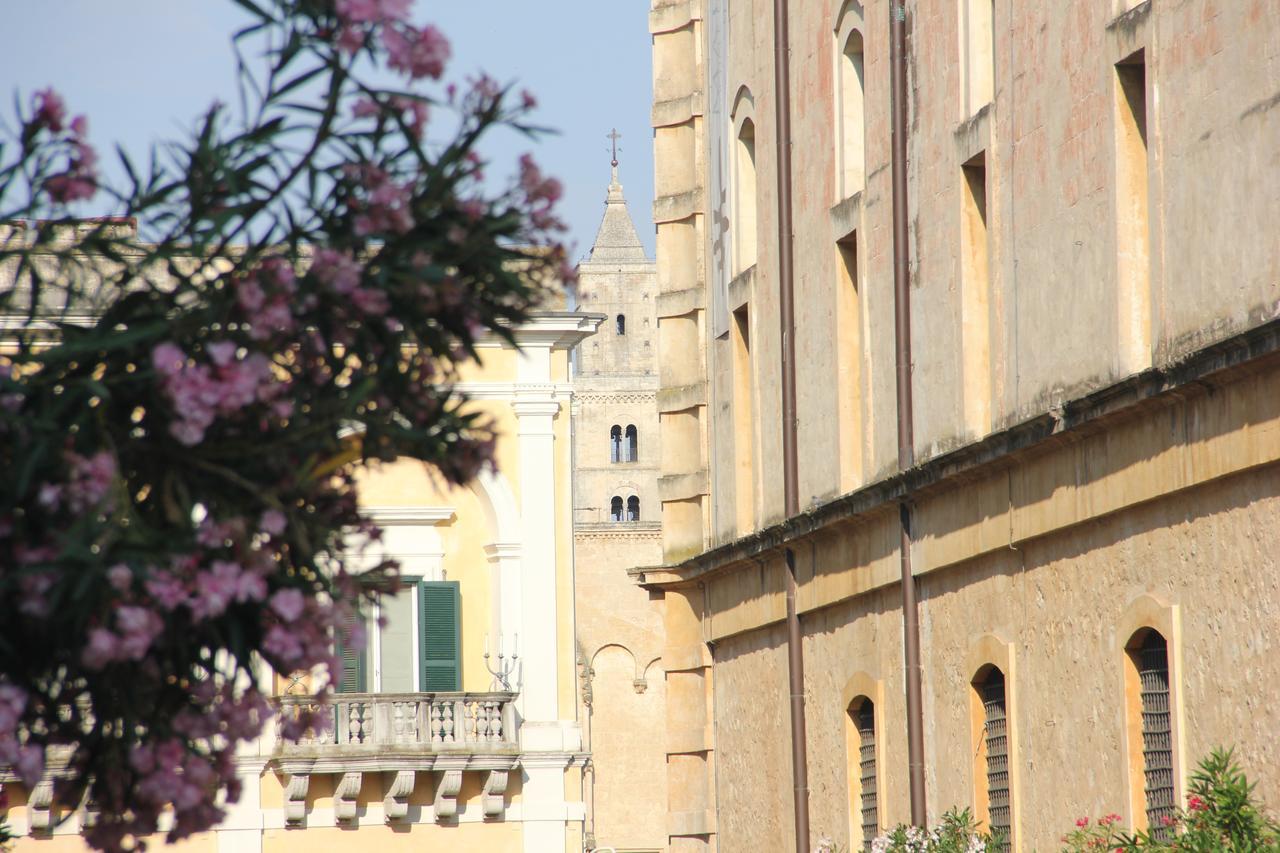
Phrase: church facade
(1069,549)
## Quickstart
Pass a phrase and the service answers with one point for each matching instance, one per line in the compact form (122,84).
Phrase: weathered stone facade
(1094,282)
(617,453)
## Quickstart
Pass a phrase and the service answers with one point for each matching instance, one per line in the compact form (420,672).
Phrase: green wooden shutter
(440,623)
(351,679)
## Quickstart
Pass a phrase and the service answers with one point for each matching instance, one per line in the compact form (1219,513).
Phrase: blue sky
(144,69)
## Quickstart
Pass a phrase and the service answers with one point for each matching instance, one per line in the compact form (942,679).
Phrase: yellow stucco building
(430,749)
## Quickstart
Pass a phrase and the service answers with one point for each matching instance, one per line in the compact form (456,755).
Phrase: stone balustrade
(401,734)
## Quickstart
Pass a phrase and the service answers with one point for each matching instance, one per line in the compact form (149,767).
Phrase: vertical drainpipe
(790,480)
(906,438)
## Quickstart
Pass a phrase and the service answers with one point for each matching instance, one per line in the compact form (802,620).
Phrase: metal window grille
(1157,734)
(997,743)
(866,723)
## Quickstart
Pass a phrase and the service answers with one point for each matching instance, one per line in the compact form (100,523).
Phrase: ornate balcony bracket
(396,804)
(295,798)
(345,796)
(447,788)
(495,786)
(40,806)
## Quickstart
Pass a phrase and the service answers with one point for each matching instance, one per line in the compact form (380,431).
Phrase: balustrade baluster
(470,720)
(437,723)
(449,723)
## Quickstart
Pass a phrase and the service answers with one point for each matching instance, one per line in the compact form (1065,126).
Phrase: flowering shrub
(181,421)
(957,833)
(1220,815)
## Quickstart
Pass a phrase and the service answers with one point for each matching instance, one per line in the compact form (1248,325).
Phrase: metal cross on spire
(614,136)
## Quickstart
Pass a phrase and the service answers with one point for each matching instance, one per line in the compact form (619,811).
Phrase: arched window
(1151,716)
(862,716)
(633,508)
(615,509)
(989,684)
(615,444)
(851,126)
(622,324)
(633,444)
(744,194)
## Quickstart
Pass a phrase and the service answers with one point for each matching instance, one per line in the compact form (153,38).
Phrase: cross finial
(614,136)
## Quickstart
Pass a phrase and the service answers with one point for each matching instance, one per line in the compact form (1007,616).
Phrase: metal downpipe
(906,437)
(790,479)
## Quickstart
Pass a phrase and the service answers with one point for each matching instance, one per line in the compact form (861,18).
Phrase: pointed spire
(616,241)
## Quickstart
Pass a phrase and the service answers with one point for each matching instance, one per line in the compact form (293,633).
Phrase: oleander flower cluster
(955,833)
(183,415)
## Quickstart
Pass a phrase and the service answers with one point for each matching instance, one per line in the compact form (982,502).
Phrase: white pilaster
(535,409)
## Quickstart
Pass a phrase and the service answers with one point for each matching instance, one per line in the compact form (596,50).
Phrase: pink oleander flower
(166,590)
(288,603)
(281,644)
(372,11)
(139,627)
(369,301)
(1082,821)
(13,702)
(51,110)
(30,764)
(1196,804)
(120,577)
(249,294)
(337,269)
(168,359)
(103,648)
(214,590)
(80,181)
(387,206)
(221,353)
(416,52)
(350,39)
(91,480)
(272,522)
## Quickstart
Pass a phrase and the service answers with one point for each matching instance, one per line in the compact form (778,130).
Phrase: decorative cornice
(389,516)
(619,397)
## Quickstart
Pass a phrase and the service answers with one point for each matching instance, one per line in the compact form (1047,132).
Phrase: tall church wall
(1065,605)
(983,354)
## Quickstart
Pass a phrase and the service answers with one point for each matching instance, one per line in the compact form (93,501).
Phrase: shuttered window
(352,677)
(865,720)
(997,748)
(1152,658)
(439,626)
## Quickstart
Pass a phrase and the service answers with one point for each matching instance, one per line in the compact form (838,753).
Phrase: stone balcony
(402,734)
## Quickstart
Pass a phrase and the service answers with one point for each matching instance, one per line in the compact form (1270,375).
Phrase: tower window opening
(615,444)
(615,509)
(633,444)
(633,508)
(622,324)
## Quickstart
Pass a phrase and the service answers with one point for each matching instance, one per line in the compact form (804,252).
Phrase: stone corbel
(345,796)
(295,798)
(446,802)
(40,806)
(396,804)
(495,786)
(640,684)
